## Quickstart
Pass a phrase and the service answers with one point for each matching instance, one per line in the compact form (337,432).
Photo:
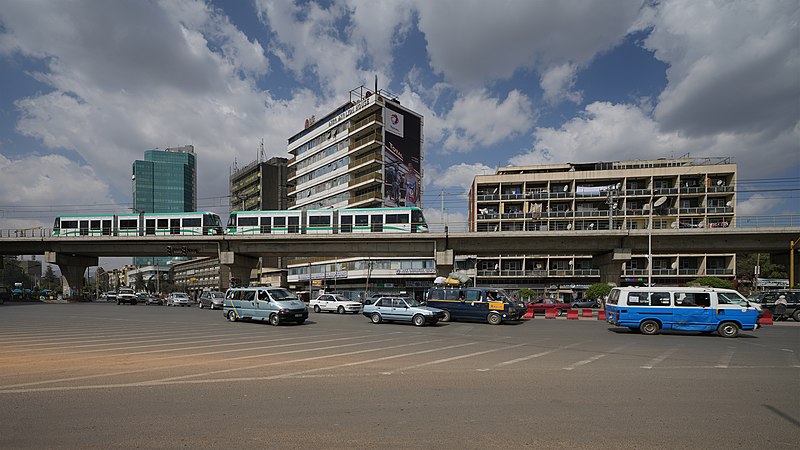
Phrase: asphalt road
(98,375)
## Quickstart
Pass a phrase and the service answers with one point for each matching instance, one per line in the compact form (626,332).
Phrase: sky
(88,86)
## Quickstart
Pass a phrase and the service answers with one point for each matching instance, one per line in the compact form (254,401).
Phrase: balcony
(488,197)
(688,271)
(692,210)
(693,190)
(637,192)
(371,157)
(720,189)
(719,271)
(665,191)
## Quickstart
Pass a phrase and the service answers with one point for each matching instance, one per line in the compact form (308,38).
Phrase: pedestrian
(780,307)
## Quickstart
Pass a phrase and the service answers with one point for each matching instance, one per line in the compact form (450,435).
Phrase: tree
(713,282)
(11,272)
(746,263)
(597,290)
(138,282)
(50,280)
(526,293)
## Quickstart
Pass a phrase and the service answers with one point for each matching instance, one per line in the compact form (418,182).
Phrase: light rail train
(325,221)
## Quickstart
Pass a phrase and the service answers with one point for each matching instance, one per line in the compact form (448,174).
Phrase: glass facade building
(165,181)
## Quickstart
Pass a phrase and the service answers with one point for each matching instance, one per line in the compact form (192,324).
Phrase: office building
(165,181)
(260,185)
(666,193)
(366,153)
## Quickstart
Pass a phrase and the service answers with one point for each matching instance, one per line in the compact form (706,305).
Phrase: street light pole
(792,244)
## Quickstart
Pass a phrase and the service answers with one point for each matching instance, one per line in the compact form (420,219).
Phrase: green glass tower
(165,181)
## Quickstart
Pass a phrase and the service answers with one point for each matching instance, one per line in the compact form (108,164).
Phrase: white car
(178,299)
(335,302)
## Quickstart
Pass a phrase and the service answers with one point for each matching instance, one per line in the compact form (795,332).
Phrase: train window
(362,220)
(95,225)
(318,221)
(279,222)
(248,221)
(150,226)
(163,224)
(377,223)
(192,222)
(397,218)
(107,227)
(294,224)
(128,224)
(69,224)
(265,225)
(347,224)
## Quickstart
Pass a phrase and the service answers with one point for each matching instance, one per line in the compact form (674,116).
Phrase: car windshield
(180,295)
(282,294)
(412,302)
(216,295)
(731,299)
(341,298)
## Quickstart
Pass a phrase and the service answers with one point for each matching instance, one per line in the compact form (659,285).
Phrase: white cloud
(36,187)
(733,68)
(456,221)
(477,119)
(557,83)
(458,175)
(129,76)
(756,205)
(474,41)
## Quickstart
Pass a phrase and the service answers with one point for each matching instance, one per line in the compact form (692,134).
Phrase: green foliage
(11,273)
(596,290)
(713,282)
(139,282)
(526,293)
(745,265)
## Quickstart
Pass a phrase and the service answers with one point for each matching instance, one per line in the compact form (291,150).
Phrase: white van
(274,304)
(650,310)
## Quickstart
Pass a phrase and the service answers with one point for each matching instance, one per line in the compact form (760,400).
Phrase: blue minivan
(650,310)
(273,304)
(488,304)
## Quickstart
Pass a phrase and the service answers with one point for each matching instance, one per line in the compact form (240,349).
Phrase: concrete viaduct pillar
(72,269)
(610,264)
(241,266)
(444,262)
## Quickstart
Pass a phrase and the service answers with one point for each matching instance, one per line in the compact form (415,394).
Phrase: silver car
(211,299)
(402,310)
(178,299)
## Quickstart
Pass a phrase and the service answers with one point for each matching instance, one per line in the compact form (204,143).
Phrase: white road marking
(595,357)
(526,358)
(440,361)
(725,360)
(660,358)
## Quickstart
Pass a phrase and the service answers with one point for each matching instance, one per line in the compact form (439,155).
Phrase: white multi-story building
(366,153)
(664,193)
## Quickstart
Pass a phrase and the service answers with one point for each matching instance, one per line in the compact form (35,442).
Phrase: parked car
(211,299)
(584,303)
(154,299)
(109,296)
(178,299)
(792,296)
(274,304)
(335,302)
(126,296)
(402,310)
(543,304)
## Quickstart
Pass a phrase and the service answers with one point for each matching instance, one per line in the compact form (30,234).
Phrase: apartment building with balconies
(665,193)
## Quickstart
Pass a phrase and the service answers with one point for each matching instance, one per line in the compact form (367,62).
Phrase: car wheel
(728,329)
(340,310)
(232,316)
(119,302)
(418,319)
(274,320)
(494,319)
(317,308)
(796,315)
(447,317)
(649,327)
(376,318)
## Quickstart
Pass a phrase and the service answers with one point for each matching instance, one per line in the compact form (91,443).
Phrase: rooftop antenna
(376,83)
(262,156)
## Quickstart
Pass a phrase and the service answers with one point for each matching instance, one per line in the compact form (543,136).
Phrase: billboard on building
(403,139)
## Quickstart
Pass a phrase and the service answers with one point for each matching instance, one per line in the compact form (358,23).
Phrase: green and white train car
(328,221)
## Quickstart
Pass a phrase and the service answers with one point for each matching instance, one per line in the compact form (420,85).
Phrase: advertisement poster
(403,176)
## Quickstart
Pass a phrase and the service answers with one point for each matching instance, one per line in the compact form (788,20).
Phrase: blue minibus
(650,310)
